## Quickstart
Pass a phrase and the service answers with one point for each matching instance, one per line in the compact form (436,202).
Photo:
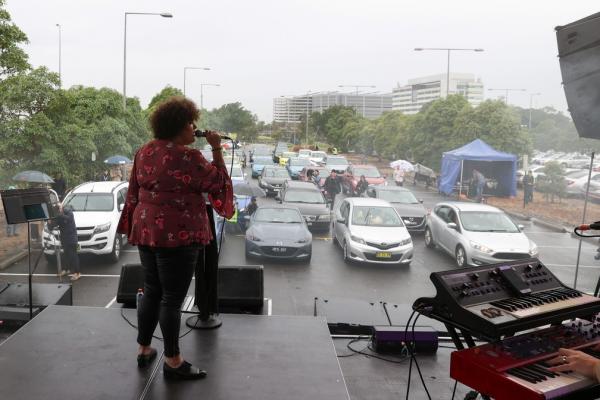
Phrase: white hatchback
(97,208)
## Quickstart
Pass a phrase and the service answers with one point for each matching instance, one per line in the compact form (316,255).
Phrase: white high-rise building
(419,91)
(290,109)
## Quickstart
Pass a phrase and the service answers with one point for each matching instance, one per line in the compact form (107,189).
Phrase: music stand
(206,293)
(29,205)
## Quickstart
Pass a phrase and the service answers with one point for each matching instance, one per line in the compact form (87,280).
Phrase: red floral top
(165,206)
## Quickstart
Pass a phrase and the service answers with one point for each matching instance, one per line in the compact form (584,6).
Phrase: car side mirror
(121,206)
(521,227)
(421,201)
(452,225)
(341,220)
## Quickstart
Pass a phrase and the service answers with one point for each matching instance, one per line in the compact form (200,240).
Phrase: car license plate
(383,254)
(279,249)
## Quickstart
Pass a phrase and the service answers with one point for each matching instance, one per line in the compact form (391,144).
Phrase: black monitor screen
(36,211)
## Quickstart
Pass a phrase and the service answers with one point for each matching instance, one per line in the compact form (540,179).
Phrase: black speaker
(579,55)
(241,287)
(131,279)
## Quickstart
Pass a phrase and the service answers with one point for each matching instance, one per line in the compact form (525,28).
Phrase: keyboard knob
(474,276)
(464,293)
(528,268)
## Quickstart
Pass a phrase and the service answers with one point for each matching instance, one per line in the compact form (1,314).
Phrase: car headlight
(533,249)
(482,248)
(405,242)
(325,217)
(304,240)
(357,239)
(102,228)
(252,237)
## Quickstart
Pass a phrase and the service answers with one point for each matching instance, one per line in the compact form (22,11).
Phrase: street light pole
(505,90)
(530,106)
(164,15)
(356,87)
(448,50)
(184,73)
(202,92)
(59,55)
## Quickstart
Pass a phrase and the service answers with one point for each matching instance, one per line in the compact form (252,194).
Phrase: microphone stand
(206,292)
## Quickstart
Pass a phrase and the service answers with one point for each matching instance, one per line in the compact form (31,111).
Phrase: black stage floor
(89,353)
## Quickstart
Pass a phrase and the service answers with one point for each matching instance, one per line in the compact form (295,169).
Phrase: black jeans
(71,257)
(168,273)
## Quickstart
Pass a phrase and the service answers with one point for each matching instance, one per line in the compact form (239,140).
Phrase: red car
(353,173)
(323,174)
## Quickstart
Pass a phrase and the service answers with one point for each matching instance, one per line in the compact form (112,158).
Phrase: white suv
(97,207)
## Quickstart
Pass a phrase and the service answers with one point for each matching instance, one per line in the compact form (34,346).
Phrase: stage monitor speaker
(241,287)
(131,279)
(579,56)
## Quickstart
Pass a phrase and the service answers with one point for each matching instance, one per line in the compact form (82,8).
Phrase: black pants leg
(168,273)
(71,257)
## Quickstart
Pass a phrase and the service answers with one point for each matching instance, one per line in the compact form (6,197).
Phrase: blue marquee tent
(460,163)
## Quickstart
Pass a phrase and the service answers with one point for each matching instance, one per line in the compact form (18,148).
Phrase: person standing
(59,186)
(528,182)
(479,180)
(362,186)
(65,222)
(332,186)
(165,216)
(11,229)
(399,176)
(316,178)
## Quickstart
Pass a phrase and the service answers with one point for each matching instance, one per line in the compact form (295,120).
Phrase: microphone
(198,133)
(586,227)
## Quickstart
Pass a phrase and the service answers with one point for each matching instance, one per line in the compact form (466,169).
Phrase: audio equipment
(131,279)
(241,288)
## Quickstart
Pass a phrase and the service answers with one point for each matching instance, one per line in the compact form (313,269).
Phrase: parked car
(370,230)
(318,157)
(236,173)
(476,234)
(575,161)
(323,174)
(338,164)
(278,232)
(97,208)
(271,179)
(577,179)
(295,165)
(286,155)
(259,163)
(411,210)
(279,149)
(304,153)
(310,201)
(260,151)
(353,173)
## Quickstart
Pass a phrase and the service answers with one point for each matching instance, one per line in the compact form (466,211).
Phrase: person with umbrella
(399,176)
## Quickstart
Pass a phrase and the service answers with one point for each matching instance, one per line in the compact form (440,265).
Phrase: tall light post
(447,49)
(164,15)
(185,69)
(59,55)
(202,92)
(530,106)
(356,87)
(306,124)
(506,92)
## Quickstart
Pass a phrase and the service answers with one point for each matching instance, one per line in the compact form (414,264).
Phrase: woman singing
(165,216)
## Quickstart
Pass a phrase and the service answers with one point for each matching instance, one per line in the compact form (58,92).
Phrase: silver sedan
(476,234)
(370,230)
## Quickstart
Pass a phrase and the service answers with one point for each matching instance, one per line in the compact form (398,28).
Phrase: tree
(168,92)
(12,58)
(231,118)
(552,183)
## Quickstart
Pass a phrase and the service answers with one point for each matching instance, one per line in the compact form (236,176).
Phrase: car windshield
(276,173)
(336,161)
(486,221)
(263,160)
(299,162)
(376,216)
(304,152)
(304,196)
(278,215)
(371,172)
(318,154)
(90,202)
(398,196)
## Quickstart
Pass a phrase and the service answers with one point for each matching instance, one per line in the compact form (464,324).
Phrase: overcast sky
(261,49)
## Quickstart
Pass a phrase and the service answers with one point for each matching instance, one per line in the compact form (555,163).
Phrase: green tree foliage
(168,92)
(12,58)
(231,118)
(552,184)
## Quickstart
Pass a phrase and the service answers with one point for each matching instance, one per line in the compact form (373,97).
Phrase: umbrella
(116,160)
(403,165)
(246,189)
(33,177)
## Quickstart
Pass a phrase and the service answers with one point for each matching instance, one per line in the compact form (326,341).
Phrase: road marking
(54,275)
(571,266)
(110,303)
(269,306)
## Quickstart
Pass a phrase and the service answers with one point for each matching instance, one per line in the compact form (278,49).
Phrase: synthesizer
(496,300)
(517,368)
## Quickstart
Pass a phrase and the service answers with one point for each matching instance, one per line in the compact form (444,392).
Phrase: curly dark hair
(171,116)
